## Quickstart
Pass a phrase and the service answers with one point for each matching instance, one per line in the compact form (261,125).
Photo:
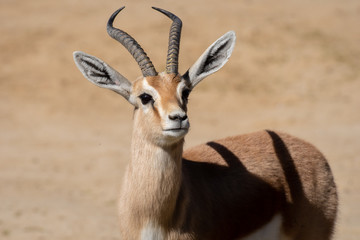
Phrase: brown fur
(252,177)
(223,189)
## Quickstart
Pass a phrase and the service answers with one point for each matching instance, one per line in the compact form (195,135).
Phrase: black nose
(178,117)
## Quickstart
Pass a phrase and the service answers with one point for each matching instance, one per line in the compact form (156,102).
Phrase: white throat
(152,182)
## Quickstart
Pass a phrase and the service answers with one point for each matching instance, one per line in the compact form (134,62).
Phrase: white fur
(153,92)
(271,231)
(180,87)
(150,90)
(152,232)
(195,75)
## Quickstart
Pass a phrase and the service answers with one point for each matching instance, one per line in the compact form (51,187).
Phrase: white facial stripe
(150,90)
(179,90)
(154,93)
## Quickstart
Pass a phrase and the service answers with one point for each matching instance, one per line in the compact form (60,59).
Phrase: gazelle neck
(153,179)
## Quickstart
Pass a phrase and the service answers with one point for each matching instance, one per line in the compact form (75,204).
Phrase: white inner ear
(102,75)
(213,58)
(97,71)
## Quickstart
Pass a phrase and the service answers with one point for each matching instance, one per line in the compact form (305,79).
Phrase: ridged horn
(146,66)
(174,42)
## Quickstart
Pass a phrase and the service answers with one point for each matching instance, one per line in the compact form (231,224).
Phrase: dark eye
(185,94)
(145,98)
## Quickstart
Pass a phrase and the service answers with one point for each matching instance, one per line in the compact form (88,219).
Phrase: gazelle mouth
(175,129)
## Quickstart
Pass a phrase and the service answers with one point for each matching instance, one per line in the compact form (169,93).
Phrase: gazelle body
(264,185)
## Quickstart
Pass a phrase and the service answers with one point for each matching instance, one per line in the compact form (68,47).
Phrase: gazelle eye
(145,98)
(185,94)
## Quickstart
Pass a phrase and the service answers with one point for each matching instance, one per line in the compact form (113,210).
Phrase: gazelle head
(160,99)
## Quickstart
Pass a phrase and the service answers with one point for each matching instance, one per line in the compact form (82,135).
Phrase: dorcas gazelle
(263,185)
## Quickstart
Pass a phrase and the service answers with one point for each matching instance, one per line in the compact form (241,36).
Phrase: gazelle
(264,185)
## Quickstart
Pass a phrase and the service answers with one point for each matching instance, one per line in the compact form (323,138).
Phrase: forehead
(164,84)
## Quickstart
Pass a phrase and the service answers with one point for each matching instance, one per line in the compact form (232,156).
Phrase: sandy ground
(64,143)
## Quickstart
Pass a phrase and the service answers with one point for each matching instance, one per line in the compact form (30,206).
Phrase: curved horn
(174,42)
(146,66)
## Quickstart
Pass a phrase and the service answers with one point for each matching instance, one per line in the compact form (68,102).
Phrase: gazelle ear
(212,59)
(102,75)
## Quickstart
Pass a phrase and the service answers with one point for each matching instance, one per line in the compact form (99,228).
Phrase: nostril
(178,117)
(173,117)
(184,117)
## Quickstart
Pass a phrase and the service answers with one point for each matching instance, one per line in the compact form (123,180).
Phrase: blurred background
(64,143)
